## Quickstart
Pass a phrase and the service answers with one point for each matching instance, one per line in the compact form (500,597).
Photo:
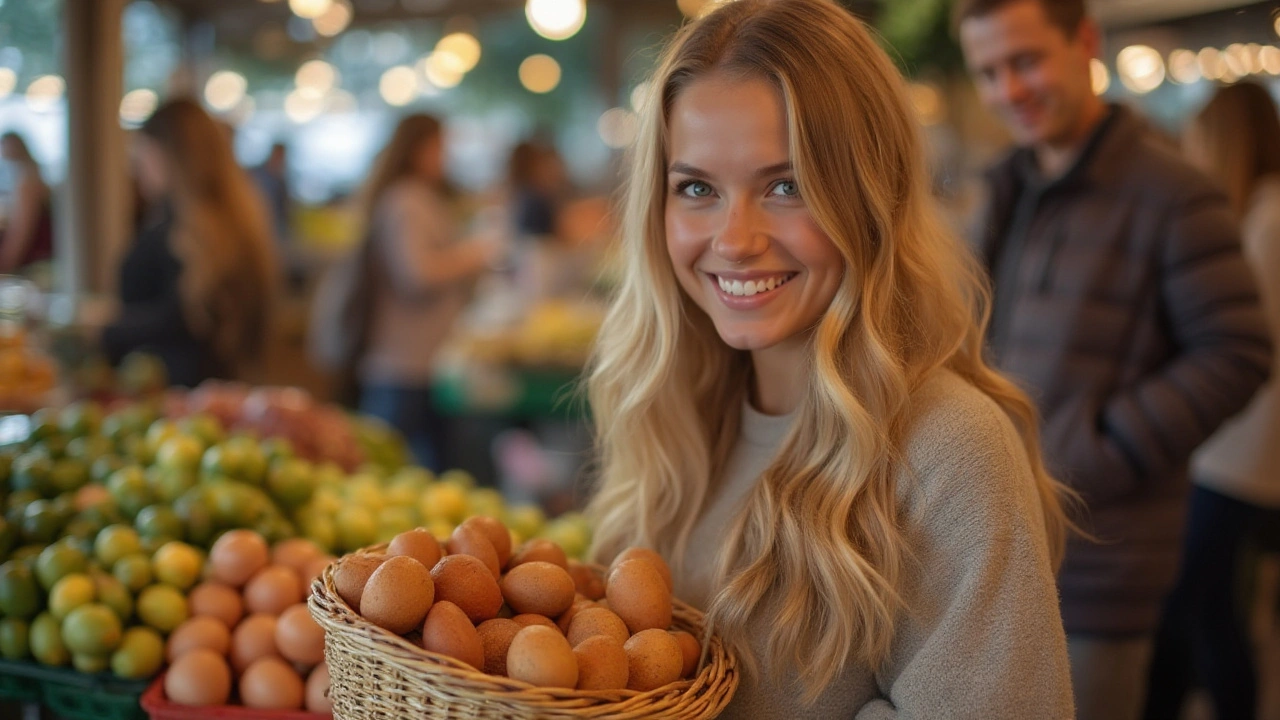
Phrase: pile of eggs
(530,615)
(249,623)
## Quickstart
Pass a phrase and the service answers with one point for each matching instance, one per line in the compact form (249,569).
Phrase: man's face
(1030,73)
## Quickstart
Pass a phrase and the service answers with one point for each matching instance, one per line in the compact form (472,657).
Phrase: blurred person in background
(28,231)
(272,177)
(1235,139)
(197,285)
(421,272)
(1123,302)
(538,185)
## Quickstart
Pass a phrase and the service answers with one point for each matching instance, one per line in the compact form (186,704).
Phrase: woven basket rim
(335,615)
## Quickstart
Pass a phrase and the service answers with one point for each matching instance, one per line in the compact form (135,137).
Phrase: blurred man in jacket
(1124,305)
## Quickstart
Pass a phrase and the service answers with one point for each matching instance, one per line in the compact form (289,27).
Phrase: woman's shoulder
(958,439)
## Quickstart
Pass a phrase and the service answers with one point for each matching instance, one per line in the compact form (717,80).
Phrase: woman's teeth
(753,287)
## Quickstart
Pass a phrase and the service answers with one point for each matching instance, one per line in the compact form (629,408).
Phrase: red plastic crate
(159,708)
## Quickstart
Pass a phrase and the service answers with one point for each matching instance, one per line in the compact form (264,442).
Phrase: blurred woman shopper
(1203,638)
(28,232)
(790,396)
(197,285)
(420,273)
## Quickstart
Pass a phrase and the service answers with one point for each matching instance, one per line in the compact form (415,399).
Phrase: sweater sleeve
(419,249)
(982,636)
(1210,301)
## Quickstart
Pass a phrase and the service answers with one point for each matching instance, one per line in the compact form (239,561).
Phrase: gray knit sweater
(982,638)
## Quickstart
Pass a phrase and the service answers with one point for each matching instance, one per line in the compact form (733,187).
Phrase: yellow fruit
(162,607)
(140,655)
(70,593)
(177,564)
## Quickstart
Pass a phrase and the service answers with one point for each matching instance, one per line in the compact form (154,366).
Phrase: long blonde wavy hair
(220,233)
(665,391)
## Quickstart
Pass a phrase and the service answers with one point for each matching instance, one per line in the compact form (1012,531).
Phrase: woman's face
(151,169)
(741,240)
(428,160)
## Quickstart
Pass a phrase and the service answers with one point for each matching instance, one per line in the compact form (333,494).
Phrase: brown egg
(541,656)
(637,593)
(690,650)
(539,549)
(295,554)
(398,595)
(448,631)
(653,660)
(237,556)
(299,638)
(527,619)
(465,581)
(597,621)
(579,603)
(314,569)
(471,540)
(270,684)
(317,691)
(200,677)
(496,636)
(217,601)
(602,664)
(200,632)
(418,544)
(538,587)
(497,533)
(648,556)
(586,580)
(253,639)
(273,589)
(352,573)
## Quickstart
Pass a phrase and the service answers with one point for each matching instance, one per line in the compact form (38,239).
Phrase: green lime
(57,561)
(103,467)
(180,452)
(46,641)
(31,471)
(291,481)
(114,594)
(129,487)
(14,644)
(19,593)
(115,542)
(159,521)
(169,483)
(80,418)
(90,664)
(8,538)
(162,607)
(140,655)
(92,629)
(89,448)
(204,427)
(134,571)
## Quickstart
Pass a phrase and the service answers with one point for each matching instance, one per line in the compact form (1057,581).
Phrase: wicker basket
(377,674)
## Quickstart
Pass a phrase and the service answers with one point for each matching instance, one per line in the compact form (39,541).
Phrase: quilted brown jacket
(1124,306)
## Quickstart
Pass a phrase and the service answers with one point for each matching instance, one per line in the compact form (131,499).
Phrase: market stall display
(129,536)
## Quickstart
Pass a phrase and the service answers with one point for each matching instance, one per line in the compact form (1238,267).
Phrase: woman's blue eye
(694,188)
(786,188)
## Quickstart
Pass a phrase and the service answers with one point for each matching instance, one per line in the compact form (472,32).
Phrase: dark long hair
(220,233)
(1236,139)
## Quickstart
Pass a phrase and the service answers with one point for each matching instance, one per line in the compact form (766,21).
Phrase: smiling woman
(790,395)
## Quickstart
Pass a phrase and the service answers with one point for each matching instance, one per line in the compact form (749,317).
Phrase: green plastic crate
(73,695)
